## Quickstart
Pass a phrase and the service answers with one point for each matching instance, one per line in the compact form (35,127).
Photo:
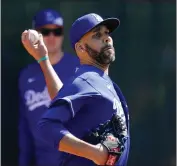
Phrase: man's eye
(97,35)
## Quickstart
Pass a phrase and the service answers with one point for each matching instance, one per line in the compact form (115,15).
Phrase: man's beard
(104,57)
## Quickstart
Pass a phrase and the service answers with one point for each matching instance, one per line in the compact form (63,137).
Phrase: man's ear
(79,47)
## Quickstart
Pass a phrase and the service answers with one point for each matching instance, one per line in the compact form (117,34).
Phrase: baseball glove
(112,136)
(114,147)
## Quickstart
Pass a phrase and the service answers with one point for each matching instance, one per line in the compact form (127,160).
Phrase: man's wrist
(44,58)
(45,64)
(100,155)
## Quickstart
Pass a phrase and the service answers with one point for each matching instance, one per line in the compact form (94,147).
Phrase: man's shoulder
(77,85)
(89,76)
(77,82)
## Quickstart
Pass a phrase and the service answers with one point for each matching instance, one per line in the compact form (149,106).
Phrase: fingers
(41,41)
(38,49)
(24,35)
(25,38)
(27,43)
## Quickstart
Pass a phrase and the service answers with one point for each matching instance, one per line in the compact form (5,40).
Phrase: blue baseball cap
(86,23)
(47,16)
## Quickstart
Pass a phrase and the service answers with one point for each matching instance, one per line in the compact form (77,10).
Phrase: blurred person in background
(34,96)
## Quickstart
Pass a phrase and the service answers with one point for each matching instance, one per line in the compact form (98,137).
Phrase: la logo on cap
(59,21)
(49,16)
(97,17)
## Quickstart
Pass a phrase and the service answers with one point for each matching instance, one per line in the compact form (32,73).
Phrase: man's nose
(107,39)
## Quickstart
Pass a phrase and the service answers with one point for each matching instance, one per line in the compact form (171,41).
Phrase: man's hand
(38,50)
(114,148)
(101,156)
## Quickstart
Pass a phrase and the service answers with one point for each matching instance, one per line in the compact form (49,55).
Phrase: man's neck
(55,57)
(104,68)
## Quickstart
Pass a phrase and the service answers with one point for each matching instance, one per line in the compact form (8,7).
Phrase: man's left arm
(52,129)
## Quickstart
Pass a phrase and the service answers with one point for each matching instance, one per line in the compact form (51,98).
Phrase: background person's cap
(86,23)
(47,16)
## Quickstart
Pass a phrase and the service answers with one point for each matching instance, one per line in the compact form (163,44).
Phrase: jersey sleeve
(63,108)
(74,96)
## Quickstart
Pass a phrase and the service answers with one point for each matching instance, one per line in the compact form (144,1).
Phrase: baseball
(33,36)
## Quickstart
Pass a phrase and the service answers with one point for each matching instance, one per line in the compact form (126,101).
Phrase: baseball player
(34,96)
(88,121)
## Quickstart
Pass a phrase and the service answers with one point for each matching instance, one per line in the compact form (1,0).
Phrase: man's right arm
(53,82)
(39,51)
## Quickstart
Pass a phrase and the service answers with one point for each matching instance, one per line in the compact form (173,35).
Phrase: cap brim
(110,23)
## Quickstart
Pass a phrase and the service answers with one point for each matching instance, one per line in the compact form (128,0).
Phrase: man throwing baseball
(88,121)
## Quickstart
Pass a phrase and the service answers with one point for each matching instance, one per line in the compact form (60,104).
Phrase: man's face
(99,45)
(53,37)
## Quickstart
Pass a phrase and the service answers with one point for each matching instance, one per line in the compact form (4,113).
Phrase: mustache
(107,47)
